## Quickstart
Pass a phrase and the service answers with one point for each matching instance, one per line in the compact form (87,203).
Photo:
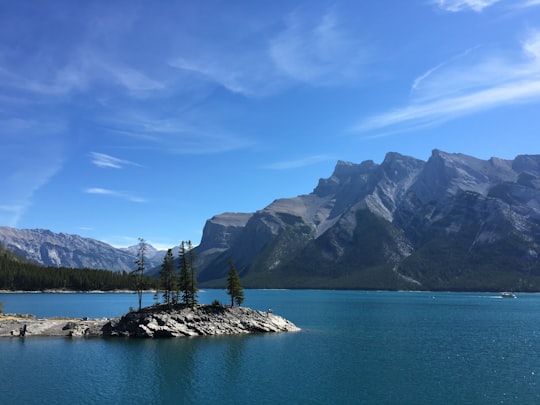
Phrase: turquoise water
(354,347)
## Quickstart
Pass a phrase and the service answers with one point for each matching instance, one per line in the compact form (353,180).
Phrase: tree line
(177,282)
(18,274)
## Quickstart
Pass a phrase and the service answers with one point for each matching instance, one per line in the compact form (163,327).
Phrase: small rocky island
(159,321)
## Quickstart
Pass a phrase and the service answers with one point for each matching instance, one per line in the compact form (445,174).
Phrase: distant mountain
(454,222)
(65,250)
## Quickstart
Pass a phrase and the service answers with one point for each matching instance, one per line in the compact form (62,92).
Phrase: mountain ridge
(42,246)
(451,222)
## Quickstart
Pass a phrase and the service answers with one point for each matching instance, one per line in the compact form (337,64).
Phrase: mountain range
(48,248)
(453,222)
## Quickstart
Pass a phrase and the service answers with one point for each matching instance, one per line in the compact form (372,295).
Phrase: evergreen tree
(185,275)
(188,283)
(193,276)
(234,287)
(168,278)
(139,271)
(19,274)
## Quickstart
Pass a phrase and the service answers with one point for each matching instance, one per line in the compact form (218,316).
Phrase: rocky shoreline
(152,322)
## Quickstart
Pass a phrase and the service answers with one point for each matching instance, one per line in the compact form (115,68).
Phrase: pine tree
(187,284)
(168,278)
(193,276)
(234,287)
(139,271)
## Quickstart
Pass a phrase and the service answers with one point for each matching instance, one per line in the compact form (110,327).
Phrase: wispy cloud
(132,79)
(528,3)
(460,5)
(478,6)
(20,185)
(318,53)
(467,86)
(248,73)
(312,48)
(298,163)
(107,161)
(114,193)
(424,76)
(25,167)
(190,135)
(11,214)
(83,72)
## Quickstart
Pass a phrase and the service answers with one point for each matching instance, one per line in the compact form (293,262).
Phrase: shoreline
(26,325)
(151,322)
(58,291)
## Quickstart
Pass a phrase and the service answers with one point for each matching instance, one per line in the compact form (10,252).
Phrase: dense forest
(19,274)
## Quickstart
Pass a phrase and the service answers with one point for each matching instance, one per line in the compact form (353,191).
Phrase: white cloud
(11,214)
(530,3)
(113,193)
(131,79)
(79,70)
(420,80)
(241,71)
(108,161)
(313,50)
(175,135)
(531,46)
(469,85)
(444,109)
(25,167)
(479,5)
(319,53)
(460,5)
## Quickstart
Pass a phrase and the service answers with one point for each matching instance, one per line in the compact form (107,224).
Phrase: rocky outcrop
(201,320)
(152,322)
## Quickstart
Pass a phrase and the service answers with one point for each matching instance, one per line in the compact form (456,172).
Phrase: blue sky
(127,119)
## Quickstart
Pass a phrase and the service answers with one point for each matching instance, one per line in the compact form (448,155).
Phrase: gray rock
(201,320)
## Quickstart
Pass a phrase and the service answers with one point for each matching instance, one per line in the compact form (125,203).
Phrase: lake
(354,347)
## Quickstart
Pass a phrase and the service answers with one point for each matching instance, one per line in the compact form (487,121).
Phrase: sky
(127,119)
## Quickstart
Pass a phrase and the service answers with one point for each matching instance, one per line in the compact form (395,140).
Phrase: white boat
(508,295)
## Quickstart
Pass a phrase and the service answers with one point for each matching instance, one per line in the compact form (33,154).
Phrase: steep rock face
(220,233)
(222,230)
(65,250)
(454,221)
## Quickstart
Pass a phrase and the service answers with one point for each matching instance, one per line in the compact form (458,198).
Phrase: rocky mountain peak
(420,224)
(66,250)
(527,163)
(221,230)
(345,173)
